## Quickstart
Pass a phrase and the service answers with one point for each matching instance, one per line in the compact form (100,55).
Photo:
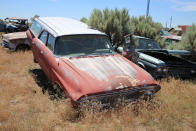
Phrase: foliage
(32,19)
(115,23)
(84,20)
(145,26)
(188,41)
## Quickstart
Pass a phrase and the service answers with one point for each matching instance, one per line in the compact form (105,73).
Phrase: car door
(42,51)
(48,57)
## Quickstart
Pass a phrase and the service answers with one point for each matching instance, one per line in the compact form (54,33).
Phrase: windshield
(142,43)
(83,45)
(146,44)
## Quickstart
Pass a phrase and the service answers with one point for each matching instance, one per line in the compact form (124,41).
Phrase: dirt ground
(25,104)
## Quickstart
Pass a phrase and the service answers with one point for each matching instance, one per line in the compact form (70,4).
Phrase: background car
(161,63)
(16,41)
(170,38)
(14,24)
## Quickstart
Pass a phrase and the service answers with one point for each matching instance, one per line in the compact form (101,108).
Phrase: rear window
(36,28)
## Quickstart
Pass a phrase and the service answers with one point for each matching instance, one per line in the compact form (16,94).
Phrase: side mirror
(120,49)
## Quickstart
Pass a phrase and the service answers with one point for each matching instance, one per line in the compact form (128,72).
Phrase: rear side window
(36,28)
(50,42)
(43,37)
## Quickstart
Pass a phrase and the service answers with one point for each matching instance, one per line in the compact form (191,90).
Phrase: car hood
(14,36)
(103,73)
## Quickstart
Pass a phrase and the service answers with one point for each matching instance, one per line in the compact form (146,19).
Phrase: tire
(34,60)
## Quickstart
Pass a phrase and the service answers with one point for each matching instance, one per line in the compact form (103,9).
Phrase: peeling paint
(102,68)
(70,76)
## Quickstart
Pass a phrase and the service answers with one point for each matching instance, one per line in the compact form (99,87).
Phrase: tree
(145,26)
(188,41)
(84,20)
(115,23)
(32,19)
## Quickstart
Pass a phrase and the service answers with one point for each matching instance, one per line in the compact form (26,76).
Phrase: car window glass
(43,37)
(50,42)
(74,46)
(36,28)
(147,44)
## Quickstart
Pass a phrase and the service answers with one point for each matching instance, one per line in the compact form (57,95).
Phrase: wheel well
(22,47)
(62,89)
(60,86)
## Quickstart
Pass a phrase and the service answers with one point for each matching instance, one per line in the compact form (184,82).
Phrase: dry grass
(24,106)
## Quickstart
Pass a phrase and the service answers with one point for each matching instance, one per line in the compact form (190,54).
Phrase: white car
(16,41)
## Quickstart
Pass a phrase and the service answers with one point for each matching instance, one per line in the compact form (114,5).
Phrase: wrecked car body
(16,24)
(162,63)
(169,38)
(81,62)
(16,41)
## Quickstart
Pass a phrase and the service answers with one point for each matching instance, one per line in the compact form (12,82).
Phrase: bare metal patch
(70,76)
(102,68)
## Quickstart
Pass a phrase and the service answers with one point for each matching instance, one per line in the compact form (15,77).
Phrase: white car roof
(59,26)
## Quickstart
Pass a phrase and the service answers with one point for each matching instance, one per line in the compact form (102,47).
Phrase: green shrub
(188,41)
(115,23)
(84,20)
(145,26)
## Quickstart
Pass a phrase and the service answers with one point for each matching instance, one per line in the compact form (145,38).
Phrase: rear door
(48,58)
(41,51)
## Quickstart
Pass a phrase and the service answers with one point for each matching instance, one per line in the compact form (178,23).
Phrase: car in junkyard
(81,63)
(170,38)
(16,41)
(14,24)
(160,63)
(2,26)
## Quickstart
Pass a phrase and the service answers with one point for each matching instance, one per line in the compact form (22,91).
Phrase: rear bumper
(112,98)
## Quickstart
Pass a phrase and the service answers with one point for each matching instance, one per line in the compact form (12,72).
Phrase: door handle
(41,52)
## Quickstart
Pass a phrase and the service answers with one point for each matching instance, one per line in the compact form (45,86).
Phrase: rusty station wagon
(82,64)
